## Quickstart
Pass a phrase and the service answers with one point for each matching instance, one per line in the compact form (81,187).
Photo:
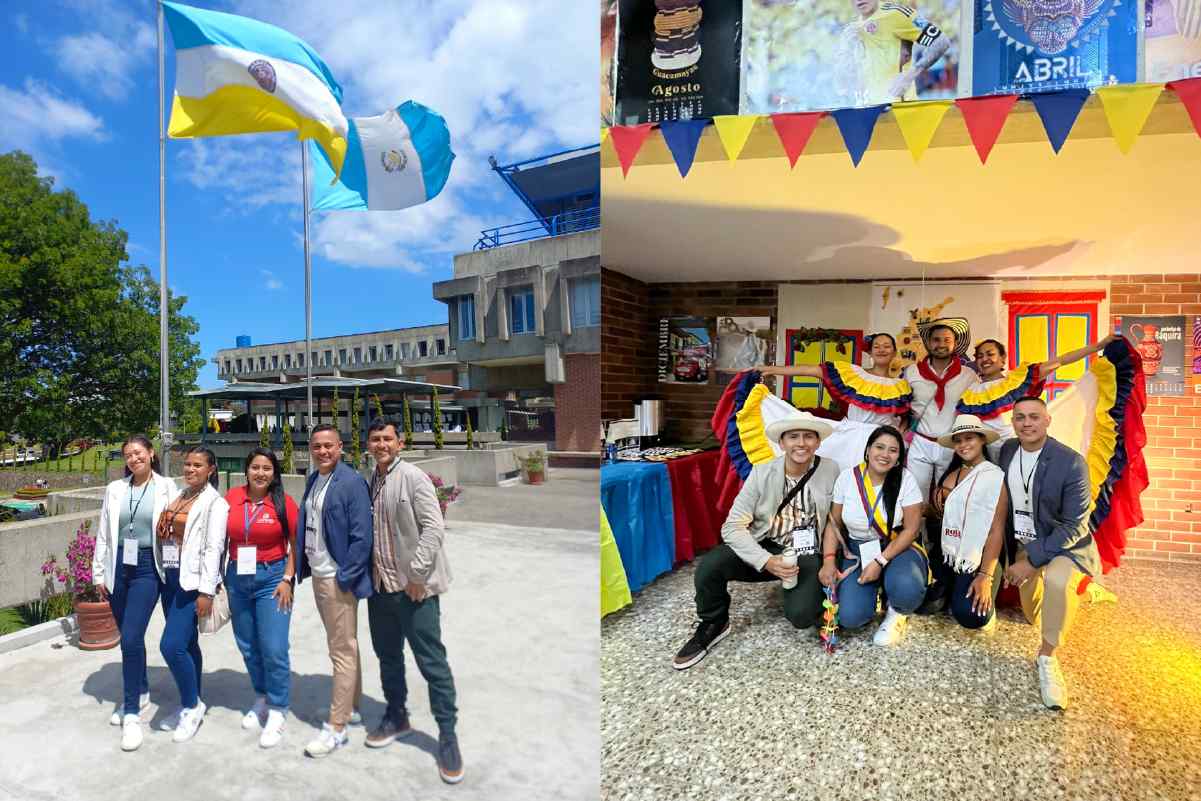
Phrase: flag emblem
(263,74)
(393,160)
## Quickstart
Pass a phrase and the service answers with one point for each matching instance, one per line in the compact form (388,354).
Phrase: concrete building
(524,307)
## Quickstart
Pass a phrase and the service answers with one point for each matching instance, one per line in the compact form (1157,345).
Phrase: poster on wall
(1197,345)
(820,54)
(608,43)
(677,59)
(898,308)
(742,343)
(1173,40)
(1160,341)
(1023,46)
(685,350)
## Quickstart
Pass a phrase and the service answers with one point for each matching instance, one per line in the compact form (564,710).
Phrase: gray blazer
(417,529)
(1061,502)
(755,507)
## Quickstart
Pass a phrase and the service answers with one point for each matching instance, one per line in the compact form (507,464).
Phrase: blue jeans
(904,583)
(261,629)
(180,644)
(135,591)
(961,607)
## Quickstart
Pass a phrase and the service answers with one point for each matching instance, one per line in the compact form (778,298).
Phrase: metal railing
(569,222)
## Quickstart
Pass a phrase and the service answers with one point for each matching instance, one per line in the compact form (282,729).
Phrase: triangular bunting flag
(856,126)
(918,122)
(985,117)
(734,130)
(1058,111)
(794,131)
(604,135)
(627,141)
(682,137)
(1189,92)
(1127,108)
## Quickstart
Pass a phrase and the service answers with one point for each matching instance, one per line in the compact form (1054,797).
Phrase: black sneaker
(389,729)
(707,635)
(450,762)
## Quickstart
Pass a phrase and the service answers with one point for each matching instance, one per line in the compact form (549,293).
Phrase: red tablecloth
(696,504)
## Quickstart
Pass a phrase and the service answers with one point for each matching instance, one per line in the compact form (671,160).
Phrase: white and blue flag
(399,159)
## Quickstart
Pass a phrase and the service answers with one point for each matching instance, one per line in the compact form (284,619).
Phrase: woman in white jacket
(188,545)
(125,569)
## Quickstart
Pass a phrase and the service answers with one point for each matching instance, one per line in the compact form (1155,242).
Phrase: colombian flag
(235,75)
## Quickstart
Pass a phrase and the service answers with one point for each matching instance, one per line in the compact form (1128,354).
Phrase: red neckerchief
(927,372)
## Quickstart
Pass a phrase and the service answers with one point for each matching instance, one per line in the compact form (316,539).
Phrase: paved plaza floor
(945,715)
(520,626)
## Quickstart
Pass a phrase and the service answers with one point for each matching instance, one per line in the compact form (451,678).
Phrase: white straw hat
(799,421)
(968,423)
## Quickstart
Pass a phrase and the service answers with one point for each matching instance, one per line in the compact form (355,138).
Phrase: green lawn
(88,461)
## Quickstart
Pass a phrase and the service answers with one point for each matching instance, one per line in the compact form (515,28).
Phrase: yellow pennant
(1127,108)
(918,121)
(734,130)
(604,135)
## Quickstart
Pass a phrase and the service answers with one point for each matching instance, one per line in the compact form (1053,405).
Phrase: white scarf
(967,516)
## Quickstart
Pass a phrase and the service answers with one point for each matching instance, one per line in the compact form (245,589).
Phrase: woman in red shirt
(259,579)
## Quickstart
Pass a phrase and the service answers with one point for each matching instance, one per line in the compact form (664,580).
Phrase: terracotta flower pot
(97,626)
(534,477)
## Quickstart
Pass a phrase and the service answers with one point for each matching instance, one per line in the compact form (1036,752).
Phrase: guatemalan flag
(235,75)
(399,159)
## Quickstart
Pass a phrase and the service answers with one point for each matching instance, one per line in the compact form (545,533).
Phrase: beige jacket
(755,507)
(416,527)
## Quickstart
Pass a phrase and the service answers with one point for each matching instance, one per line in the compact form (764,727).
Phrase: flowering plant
(446,495)
(76,577)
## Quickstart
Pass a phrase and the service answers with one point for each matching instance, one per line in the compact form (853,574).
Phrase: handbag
(219,613)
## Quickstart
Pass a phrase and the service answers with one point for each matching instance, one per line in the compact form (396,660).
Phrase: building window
(441,347)
(275,361)
(358,355)
(341,355)
(262,362)
(300,360)
(389,351)
(467,318)
(585,302)
(227,366)
(287,361)
(329,358)
(314,355)
(239,363)
(521,311)
(405,351)
(372,353)
(423,349)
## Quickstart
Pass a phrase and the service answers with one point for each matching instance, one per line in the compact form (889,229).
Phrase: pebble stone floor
(946,714)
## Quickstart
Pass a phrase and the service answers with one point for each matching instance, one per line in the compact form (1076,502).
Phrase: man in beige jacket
(782,504)
(409,573)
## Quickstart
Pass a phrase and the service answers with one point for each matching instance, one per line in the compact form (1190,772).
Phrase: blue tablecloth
(637,501)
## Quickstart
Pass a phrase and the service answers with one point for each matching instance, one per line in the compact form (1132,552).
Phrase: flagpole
(308,284)
(164,393)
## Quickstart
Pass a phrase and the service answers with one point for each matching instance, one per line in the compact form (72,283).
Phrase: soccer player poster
(1025,46)
(809,55)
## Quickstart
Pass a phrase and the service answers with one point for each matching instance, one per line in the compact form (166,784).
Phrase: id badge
(170,554)
(1023,526)
(129,554)
(805,541)
(868,551)
(246,560)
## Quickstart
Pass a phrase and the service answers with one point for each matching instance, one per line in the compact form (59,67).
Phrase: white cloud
(252,172)
(117,44)
(36,120)
(270,281)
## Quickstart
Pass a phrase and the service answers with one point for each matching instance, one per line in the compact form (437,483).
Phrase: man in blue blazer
(334,541)
(1048,540)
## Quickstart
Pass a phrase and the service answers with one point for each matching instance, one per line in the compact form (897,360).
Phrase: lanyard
(379,482)
(1026,479)
(248,518)
(133,508)
(181,506)
(314,496)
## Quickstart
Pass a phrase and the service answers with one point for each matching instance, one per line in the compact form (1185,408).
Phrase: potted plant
(97,627)
(446,495)
(535,468)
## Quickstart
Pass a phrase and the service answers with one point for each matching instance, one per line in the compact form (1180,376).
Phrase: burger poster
(677,59)
(685,350)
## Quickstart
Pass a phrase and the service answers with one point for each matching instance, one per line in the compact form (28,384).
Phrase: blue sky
(513,79)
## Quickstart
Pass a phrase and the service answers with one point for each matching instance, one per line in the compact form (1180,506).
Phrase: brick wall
(578,404)
(628,345)
(1173,451)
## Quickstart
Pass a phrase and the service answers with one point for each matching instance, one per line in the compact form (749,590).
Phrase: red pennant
(1189,92)
(627,141)
(985,117)
(794,131)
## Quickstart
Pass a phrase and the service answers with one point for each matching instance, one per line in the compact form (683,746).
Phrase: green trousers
(395,618)
(802,603)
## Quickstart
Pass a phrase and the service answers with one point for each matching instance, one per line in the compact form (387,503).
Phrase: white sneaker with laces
(119,709)
(892,629)
(273,730)
(256,718)
(1050,681)
(326,742)
(189,722)
(131,733)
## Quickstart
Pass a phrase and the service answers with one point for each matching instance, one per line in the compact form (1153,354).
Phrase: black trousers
(720,566)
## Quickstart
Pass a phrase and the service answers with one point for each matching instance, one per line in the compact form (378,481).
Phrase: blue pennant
(856,126)
(682,137)
(1058,111)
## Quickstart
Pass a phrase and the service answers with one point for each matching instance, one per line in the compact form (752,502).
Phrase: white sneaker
(256,718)
(119,709)
(892,629)
(326,742)
(1050,680)
(189,722)
(131,732)
(273,730)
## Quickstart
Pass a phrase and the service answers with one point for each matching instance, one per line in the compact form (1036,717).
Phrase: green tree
(356,449)
(264,440)
(379,406)
(437,414)
(80,351)
(408,424)
(470,433)
(337,411)
(286,464)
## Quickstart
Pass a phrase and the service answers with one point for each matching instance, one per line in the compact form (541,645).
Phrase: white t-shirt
(931,420)
(320,562)
(854,517)
(1022,469)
